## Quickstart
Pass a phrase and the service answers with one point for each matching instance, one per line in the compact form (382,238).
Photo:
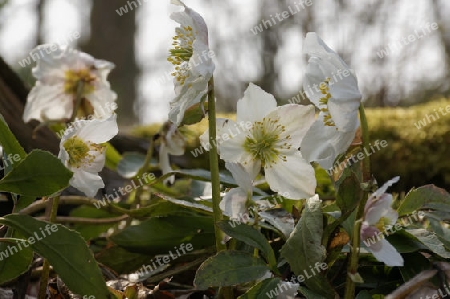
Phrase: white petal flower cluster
(82,150)
(62,75)
(378,216)
(192,60)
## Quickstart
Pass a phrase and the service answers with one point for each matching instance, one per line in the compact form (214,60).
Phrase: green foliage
(252,237)
(66,251)
(39,174)
(229,268)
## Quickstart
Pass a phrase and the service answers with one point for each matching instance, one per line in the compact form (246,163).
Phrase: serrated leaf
(425,197)
(304,248)
(65,250)
(252,237)
(12,263)
(229,268)
(39,174)
(430,240)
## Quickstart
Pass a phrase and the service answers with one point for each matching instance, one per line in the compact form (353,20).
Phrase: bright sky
(155,29)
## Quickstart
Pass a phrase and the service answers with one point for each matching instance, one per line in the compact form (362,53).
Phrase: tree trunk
(112,38)
(13,95)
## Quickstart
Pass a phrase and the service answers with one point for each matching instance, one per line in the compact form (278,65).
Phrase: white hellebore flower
(82,151)
(378,216)
(192,60)
(234,202)
(271,142)
(333,88)
(61,74)
(173,143)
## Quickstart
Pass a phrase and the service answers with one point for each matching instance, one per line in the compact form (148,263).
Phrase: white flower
(59,73)
(173,143)
(333,88)
(378,216)
(234,202)
(192,60)
(82,151)
(271,142)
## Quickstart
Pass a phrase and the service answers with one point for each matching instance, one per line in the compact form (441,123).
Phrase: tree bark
(13,96)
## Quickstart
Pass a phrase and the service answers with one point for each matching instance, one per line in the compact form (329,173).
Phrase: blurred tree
(113,39)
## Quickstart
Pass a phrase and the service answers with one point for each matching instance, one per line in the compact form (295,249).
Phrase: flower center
(181,52)
(323,102)
(263,141)
(74,77)
(78,151)
(382,224)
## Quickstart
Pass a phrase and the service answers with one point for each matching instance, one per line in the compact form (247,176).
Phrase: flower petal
(379,207)
(233,203)
(322,144)
(164,163)
(240,175)
(294,176)
(387,254)
(296,119)
(386,185)
(47,102)
(86,182)
(99,131)
(255,104)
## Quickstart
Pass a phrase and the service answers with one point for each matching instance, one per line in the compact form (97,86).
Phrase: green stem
(224,292)
(356,238)
(54,202)
(214,165)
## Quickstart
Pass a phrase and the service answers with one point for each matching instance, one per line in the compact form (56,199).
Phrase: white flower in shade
(379,216)
(234,203)
(173,143)
(82,150)
(271,142)
(192,60)
(61,74)
(333,88)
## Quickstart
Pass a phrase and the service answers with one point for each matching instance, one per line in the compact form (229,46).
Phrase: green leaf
(348,194)
(130,164)
(121,260)
(12,263)
(430,240)
(414,263)
(162,234)
(442,232)
(309,294)
(252,237)
(39,174)
(23,202)
(262,289)
(112,157)
(65,250)
(425,197)
(9,142)
(195,114)
(304,249)
(90,231)
(229,268)
(205,175)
